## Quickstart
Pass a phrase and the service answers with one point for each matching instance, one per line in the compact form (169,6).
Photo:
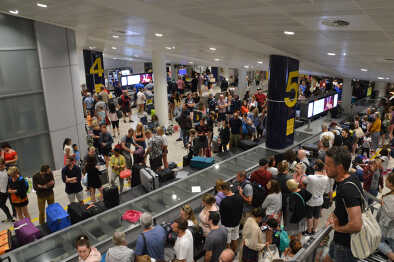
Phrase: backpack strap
(303,201)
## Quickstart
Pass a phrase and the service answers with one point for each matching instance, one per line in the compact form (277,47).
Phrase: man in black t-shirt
(236,128)
(346,218)
(231,208)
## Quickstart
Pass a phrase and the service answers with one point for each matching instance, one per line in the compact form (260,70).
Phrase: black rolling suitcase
(96,208)
(111,196)
(186,160)
(165,175)
(77,212)
(135,178)
(247,144)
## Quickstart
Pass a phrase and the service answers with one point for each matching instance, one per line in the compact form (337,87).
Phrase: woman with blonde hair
(209,204)
(187,213)
(17,188)
(139,135)
(160,132)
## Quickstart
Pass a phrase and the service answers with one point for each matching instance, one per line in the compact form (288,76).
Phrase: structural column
(380,87)
(282,98)
(61,75)
(242,83)
(347,95)
(160,83)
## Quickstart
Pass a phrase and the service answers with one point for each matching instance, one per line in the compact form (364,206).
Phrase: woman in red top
(9,155)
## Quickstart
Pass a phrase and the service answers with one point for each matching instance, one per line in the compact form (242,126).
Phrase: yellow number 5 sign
(292,86)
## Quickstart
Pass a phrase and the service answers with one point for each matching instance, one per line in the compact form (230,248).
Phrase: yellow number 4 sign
(99,71)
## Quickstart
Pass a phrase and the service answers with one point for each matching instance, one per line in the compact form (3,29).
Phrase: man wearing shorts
(318,185)
(231,208)
(71,175)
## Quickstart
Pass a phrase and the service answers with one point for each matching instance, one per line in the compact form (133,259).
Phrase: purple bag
(25,231)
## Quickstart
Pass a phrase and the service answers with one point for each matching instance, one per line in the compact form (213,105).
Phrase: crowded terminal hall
(210,136)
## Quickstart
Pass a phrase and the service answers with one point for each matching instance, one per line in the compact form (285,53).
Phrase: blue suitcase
(57,217)
(199,162)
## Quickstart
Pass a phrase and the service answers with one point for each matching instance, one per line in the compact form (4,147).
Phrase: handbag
(326,201)
(269,254)
(126,173)
(365,242)
(85,180)
(132,216)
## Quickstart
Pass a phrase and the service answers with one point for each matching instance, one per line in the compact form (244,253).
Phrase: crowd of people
(291,208)
(292,187)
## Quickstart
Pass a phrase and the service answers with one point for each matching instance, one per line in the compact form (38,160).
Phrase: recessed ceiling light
(158,35)
(212,48)
(114,58)
(173,47)
(288,32)
(380,78)
(345,54)
(331,54)
(246,66)
(131,33)
(259,62)
(387,78)
(15,12)
(190,62)
(168,48)
(364,70)
(217,59)
(114,48)
(115,36)
(42,5)
(92,47)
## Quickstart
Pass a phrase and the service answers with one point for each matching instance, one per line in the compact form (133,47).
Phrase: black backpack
(198,241)
(259,194)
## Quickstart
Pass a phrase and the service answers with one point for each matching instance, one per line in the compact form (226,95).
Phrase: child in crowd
(77,154)
(291,251)
(366,146)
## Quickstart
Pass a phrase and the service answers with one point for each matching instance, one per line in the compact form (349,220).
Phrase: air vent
(121,32)
(335,23)
(389,60)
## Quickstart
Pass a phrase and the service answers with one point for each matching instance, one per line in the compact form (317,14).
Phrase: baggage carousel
(163,203)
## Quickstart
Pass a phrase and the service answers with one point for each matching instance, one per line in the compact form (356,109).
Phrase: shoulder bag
(365,242)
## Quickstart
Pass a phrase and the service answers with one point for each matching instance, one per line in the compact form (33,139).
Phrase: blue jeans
(386,245)
(185,137)
(339,253)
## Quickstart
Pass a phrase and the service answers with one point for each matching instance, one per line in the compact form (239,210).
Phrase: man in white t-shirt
(184,243)
(141,100)
(326,133)
(318,185)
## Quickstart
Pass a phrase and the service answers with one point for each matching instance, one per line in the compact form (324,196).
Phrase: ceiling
(242,31)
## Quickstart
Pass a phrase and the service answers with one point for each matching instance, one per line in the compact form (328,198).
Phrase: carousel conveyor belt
(163,203)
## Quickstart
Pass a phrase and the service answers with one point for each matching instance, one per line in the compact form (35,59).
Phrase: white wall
(61,77)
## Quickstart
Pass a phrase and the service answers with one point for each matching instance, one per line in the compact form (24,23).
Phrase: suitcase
(165,175)
(111,196)
(77,212)
(57,217)
(95,209)
(25,231)
(149,179)
(139,155)
(186,160)
(136,179)
(313,148)
(5,241)
(103,174)
(199,162)
(247,144)
(144,120)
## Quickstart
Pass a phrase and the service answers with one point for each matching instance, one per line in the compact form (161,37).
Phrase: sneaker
(179,139)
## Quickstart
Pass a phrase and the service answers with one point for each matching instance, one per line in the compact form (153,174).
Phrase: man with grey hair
(227,255)
(301,155)
(151,241)
(120,252)
(325,133)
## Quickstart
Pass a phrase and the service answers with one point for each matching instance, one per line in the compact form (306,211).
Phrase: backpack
(281,239)
(259,195)
(26,183)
